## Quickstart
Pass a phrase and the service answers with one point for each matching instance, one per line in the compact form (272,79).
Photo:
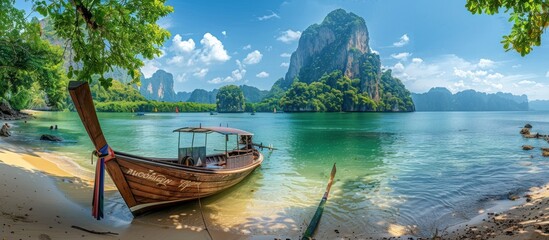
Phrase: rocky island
(334,69)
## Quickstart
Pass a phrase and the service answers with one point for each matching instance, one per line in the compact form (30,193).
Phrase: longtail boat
(146,183)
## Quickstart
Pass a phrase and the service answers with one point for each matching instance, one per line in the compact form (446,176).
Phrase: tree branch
(85,13)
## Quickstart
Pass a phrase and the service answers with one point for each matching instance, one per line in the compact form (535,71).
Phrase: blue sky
(427,43)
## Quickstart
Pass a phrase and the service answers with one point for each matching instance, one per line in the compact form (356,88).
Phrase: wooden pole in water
(316,218)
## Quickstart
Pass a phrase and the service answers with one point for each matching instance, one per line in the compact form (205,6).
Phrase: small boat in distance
(146,183)
(140,114)
(213,113)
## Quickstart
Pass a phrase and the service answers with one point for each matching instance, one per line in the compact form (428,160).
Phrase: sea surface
(396,172)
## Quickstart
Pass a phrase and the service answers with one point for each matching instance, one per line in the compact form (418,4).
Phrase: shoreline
(52,199)
(528,219)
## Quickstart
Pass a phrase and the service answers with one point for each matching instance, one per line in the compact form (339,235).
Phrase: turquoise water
(421,170)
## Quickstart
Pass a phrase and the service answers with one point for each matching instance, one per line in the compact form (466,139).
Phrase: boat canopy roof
(221,130)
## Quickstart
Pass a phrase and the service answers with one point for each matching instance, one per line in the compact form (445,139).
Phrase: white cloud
(497,85)
(526,82)
(289,36)
(253,57)
(175,60)
(266,17)
(224,33)
(374,51)
(285,55)
(285,64)
(470,74)
(262,75)
(218,80)
(403,41)
(547,74)
(150,67)
(212,50)
(247,47)
(485,63)
(495,76)
(188,61)
(398,67)
(201,72)
(417,60)
(181,77)
(460,84)
(239,64)
(238,74)
(401,56)
(183,46)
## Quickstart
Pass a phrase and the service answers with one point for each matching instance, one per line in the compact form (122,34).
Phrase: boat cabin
(236,153)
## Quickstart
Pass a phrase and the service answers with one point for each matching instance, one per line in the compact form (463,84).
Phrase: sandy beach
(44,199)
(40,200)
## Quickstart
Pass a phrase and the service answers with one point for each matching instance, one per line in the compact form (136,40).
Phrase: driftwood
(93,232)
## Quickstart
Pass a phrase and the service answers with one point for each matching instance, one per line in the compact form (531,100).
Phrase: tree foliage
(105,35)
(152,106)
(530,19)
(230,98)
(26,58)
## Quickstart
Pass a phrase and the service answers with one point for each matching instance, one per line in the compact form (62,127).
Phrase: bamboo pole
(316,218)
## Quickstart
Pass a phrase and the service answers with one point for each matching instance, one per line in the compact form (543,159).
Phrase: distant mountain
(539,105)
(203,96)
(334,69)
(253,94)
(158,87)
(441,99)
(182,96)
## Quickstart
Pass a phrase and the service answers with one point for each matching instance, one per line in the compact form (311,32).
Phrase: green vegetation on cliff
(335,92)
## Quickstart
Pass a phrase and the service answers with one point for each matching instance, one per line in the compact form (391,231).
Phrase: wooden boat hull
(146,184)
